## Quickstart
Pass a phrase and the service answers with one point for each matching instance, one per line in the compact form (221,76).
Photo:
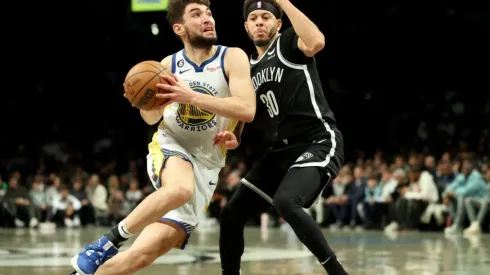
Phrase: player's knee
(140,259)
(285,203)
(182,194)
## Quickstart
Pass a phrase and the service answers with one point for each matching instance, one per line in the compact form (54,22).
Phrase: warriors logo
(192,118)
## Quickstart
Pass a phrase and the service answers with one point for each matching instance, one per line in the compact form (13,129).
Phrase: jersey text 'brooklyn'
(290,100)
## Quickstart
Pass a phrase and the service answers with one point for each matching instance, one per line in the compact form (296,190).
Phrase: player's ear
(246,26)
(279,24)
(178,29)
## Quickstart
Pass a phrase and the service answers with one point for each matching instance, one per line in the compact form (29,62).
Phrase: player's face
(199,26)
(262,26)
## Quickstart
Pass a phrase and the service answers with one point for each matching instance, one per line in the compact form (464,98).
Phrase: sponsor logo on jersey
(192,118)
(213,69)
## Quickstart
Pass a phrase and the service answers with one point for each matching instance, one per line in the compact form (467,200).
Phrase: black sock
(115,237)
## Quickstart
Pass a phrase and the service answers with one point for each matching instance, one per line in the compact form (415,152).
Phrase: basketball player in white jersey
(210,91)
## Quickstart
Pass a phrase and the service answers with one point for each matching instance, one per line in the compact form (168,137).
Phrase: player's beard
(197,40)
(264,42)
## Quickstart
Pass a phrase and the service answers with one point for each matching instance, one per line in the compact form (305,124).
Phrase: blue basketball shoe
(93,256)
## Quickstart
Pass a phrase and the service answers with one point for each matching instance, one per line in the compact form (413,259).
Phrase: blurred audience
(411,192)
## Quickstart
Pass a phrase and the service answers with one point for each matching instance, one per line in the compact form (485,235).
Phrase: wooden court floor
(31,252)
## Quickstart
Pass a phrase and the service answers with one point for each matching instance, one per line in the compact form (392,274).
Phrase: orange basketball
(140,85)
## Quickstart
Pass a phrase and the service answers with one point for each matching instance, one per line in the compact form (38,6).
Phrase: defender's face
(199,25)
(262,26)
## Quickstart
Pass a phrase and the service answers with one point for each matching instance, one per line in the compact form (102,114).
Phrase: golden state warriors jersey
(189,126)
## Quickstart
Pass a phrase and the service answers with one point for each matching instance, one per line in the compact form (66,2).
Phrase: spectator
(482,203)
(444,175)
(116,202)
(468,184)
(52,191)
(372,194)
(86,213)
(65,208)
(388,185)
(398,204)
(337,200)
(18,205)
(97,195)
(134,194)
(421,192)
(39,199)
(383,206)
(430,165)
(356,194)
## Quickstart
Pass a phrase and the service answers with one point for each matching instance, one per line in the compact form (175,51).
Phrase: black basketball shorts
(326,153)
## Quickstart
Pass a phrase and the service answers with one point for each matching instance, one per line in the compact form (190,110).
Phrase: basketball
(140,85)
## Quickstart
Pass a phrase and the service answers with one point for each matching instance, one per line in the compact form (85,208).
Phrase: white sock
(123,231)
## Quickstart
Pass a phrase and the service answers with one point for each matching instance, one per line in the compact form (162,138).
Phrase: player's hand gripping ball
(140,85)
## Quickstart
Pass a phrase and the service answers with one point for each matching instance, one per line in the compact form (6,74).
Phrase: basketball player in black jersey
(307,148)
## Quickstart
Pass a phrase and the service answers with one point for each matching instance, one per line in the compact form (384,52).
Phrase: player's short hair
(176,9)
(247,3)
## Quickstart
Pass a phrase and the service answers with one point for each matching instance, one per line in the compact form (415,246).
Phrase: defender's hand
(226,139)
(176,90)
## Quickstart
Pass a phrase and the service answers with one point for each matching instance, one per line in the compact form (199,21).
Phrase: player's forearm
(230,107)
(303,26)
(151,117)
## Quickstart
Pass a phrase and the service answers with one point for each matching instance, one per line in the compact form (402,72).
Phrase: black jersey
(291,106)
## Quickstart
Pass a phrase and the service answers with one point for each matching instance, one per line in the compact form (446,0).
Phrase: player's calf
(155,240)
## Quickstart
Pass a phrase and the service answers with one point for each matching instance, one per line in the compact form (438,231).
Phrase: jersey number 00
(269,99)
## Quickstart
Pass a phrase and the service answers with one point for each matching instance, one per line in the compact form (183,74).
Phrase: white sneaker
(451,230)
(33,223)
(473,229)
(393,226)
(76,221)
(68,223)
(19,223)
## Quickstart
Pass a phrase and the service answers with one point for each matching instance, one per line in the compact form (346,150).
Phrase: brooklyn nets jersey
(291,106)
(188,125)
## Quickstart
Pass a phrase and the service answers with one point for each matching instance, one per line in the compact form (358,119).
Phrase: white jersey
(188,125)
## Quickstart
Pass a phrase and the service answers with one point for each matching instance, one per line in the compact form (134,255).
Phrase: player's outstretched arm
(311,39)
(152,117)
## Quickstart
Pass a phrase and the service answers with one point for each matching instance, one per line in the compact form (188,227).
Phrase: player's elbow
(319,45)
(315,47)
(248,115)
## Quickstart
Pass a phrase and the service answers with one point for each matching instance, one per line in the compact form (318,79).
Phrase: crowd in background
(417,191)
